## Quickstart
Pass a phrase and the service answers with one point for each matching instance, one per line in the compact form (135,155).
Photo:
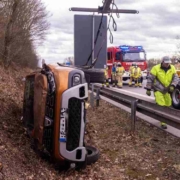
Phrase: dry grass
(147,154)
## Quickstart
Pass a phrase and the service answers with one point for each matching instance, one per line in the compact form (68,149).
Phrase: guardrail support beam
(133,114)
(97,96)
(92,96)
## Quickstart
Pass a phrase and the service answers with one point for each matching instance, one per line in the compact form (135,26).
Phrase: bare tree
(26,25)
(8,31)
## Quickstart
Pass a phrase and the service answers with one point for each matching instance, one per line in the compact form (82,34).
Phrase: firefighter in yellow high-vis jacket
(136,74)
(131,73)
(119,74)
(106,81)
(177,64)
(113,72)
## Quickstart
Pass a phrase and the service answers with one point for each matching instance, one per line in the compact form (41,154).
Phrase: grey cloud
(63,22)
(159,33)
(61,36)
(162,15)
(54,43)
(128,36)
(120,2)
(149,27)
(159,13)
(157,23)
(63,27)
(169,20)
(59,49)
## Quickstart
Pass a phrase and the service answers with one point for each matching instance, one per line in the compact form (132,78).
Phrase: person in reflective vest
(162,79)
(119,74)
(177,64)
(136,75)
(106,81)
(131,73)
(113,72)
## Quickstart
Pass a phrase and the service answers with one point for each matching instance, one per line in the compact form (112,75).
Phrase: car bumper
(72,123)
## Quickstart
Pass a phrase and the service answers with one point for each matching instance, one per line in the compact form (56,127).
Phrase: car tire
(92,155)
(91,75)
(176,98)
(95,75)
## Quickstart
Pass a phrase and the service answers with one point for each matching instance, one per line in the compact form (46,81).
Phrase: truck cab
(127,55)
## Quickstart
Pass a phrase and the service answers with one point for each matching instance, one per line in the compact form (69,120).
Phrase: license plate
(63,125)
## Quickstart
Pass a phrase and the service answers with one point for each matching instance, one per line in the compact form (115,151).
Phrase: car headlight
(76,79)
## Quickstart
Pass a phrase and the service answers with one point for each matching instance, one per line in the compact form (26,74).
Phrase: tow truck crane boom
(105,9)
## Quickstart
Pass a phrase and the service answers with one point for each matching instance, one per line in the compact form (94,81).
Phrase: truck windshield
(138,56)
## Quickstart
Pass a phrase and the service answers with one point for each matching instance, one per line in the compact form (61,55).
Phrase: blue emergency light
(130,48)
(140,47)
(68,63)
(124,47)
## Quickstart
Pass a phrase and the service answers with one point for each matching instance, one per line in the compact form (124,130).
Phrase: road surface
(138,90)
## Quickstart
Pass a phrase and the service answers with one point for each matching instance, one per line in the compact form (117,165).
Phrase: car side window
(118,56)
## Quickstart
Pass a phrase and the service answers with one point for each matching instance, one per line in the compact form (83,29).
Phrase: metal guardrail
(140,104)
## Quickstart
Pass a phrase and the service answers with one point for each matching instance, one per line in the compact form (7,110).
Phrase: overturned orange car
(54,113)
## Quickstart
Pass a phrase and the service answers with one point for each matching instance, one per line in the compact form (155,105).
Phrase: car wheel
(92,155)
(93,75)
(176,98)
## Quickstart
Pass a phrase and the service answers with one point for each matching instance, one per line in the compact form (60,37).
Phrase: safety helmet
(105,66)
(166,59)
(119,64)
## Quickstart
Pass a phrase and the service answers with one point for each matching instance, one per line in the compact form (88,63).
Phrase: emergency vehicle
(127,55)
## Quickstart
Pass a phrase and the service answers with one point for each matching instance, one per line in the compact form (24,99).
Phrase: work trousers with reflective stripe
(106,81)
(114,80)
(130,80)
(120,80)
(163,99)
(137,81)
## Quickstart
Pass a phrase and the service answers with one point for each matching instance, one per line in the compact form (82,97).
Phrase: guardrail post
(92,96)
(133,114)
(97,97)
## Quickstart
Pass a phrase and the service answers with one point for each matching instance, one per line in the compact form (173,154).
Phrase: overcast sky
(155,27)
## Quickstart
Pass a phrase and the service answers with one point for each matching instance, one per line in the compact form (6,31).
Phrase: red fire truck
(127,55)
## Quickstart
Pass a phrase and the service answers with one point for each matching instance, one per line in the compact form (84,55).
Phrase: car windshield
(140,56)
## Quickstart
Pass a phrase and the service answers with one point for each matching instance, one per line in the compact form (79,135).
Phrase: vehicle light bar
(129,48)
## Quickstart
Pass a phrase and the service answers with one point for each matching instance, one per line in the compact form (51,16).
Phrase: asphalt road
(138,90)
